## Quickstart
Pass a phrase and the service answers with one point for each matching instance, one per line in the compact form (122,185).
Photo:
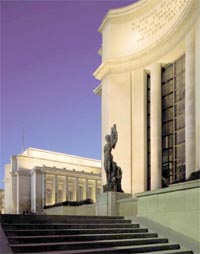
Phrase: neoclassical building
(37,178)
(150,88)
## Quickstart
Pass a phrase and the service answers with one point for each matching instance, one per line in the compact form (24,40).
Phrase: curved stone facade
(144,32)
(139,41)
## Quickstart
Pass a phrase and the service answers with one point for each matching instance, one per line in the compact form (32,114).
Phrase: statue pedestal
(110,188)
(106,204)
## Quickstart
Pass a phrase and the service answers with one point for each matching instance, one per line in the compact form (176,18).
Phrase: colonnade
(72,194)
(70,188)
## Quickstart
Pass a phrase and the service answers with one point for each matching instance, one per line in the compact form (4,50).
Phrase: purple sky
(48,54)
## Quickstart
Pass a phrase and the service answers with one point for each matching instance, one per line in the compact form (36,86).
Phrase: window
(148,133)
(60,192)
(70,192)
(49,192)
(90,192)
(80,192)
(173,121)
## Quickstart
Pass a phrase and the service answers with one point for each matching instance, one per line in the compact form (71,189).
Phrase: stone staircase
(82,234)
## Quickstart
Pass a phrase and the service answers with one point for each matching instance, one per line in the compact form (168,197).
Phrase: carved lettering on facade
(162,16)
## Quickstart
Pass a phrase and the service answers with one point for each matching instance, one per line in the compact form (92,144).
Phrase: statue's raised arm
(114,136)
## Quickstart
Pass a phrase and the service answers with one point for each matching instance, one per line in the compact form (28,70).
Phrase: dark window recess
(173,122)
(148,135)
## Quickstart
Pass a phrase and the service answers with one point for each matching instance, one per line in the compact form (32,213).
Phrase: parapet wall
(89,210)
(176,207)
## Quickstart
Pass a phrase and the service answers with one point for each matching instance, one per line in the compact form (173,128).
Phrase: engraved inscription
(163,15)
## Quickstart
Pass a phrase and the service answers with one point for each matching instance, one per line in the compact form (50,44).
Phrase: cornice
(123,12)
(27,153)
(157,50)
(66,172)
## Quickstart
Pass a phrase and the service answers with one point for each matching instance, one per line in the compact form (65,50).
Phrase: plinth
(107,205)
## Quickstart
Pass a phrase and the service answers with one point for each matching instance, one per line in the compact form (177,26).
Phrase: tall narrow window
(167,122)
(173,122)
(179,121)
(148,134)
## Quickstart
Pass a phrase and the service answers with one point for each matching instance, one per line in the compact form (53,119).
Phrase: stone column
(156,127)
(43,188)
(197,92)
(95,190)
(17,191)
(55,187)
(66,187)
(86,187)
(190,103)
(36,190)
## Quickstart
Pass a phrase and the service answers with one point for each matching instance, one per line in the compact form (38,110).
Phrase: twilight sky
(48,54)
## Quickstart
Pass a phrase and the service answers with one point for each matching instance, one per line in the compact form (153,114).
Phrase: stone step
(26,220)
(83,237)
(119,250)
(17,248)
(179,251)
(82,234)
(34,217)
(73,231)
(67,226)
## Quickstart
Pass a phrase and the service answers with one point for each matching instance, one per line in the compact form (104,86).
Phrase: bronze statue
(113,171)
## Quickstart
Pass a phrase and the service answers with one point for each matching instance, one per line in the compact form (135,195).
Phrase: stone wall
(127,207)
(176,207)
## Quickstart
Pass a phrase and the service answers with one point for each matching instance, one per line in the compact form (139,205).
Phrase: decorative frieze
(159,19)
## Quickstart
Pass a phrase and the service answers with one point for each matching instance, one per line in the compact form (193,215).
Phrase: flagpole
(22,139)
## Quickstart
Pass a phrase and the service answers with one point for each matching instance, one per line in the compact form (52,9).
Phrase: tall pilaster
(138,131)
(190,103)
(197,92)
(156,127)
